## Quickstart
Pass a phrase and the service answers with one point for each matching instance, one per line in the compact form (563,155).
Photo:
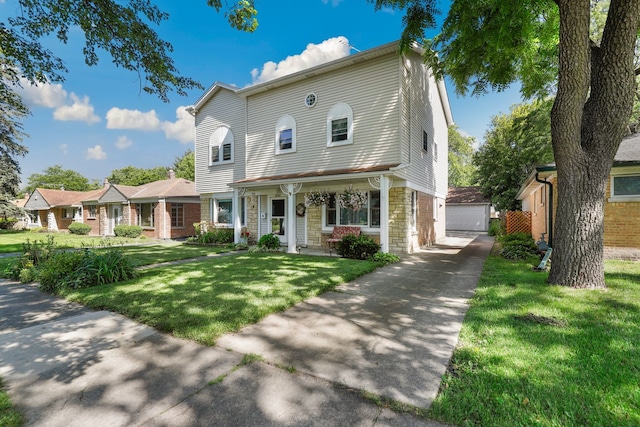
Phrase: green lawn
(203,300)
(11,241)
(9,416)
(534,354)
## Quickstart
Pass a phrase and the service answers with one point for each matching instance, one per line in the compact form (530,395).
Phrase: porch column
(384,213)
(291,219)
(237,223)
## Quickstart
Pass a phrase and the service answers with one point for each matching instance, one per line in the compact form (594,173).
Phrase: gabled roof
(317,70)
(55,198)
(174,187)
(629,151)
(466,195)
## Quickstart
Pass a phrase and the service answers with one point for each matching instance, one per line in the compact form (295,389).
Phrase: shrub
(269,241)
(79,228)
(131,231)
(496,227)
(81,269)
(216,236)
(384,258)
(33,254)
(7,223)
(517,246)
(361,247)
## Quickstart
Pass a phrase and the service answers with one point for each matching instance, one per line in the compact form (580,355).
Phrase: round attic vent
(311,100)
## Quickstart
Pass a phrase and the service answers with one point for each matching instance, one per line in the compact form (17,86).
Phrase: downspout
(550,209)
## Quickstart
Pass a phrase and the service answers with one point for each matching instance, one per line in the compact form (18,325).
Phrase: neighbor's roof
(466,195)
(629,151)
(66,198)
(174,187)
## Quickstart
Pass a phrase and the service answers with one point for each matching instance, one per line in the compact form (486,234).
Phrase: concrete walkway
(390,333)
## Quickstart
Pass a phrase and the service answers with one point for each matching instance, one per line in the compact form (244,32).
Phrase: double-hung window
(340,125)
(177,215)
(368,216)
(92,211)
(286,135)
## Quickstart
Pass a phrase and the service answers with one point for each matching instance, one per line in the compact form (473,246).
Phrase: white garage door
(467,217)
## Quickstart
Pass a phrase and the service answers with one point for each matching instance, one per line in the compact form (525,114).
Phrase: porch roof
(328,175)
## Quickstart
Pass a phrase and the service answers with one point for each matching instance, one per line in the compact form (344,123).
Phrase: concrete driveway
(390,332)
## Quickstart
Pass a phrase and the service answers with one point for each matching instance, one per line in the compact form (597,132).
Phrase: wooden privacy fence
(518,221)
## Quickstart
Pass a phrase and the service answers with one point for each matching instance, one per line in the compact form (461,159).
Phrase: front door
(279,218)
(116,217)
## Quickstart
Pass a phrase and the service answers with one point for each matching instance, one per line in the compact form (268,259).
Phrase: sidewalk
(389,333)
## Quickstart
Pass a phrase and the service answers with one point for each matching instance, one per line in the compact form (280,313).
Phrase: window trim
(425,141)
(223,135)
(93,208)
(368,227)
(180,215)
(152,215)
(339,111)
(285,122)
(624,198)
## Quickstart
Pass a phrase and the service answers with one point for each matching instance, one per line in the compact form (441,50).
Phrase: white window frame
(285,122)
(92,211)
(340,111)
(414,210)
(215,207)
(625,198)
(368,207)
(222,136)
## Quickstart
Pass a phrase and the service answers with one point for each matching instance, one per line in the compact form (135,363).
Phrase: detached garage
(467,209)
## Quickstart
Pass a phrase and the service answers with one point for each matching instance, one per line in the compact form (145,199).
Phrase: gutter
(550,207)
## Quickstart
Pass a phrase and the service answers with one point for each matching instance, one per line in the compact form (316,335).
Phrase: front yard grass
(11,241)
(534,354)
(202,300)
(9,416)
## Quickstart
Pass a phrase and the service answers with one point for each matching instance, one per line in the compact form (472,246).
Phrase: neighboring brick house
(165,209)
(621,208)
(376,121)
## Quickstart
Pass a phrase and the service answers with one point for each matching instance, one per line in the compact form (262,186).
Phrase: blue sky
(99,120)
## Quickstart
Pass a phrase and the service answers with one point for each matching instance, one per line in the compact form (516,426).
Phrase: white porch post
(384,213)
(291,219)
(237,224)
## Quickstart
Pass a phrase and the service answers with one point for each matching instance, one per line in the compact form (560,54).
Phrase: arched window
(340,125)
(221,146)
(286,135)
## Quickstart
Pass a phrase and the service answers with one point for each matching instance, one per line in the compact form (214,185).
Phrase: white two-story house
(374,121)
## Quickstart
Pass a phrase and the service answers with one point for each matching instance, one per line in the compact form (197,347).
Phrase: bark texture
(596,86)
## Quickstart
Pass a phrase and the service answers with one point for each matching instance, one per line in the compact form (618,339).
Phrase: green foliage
(79,228)
(361,247)
(9,416)
(517,246)
(7,223)
(269,241)
(185,167)
(84,268)
(461,167)
(34,253)
(217,236)
(134,176)
(497,227)
(131,231)
(55,177)
(384,258)
(514,145)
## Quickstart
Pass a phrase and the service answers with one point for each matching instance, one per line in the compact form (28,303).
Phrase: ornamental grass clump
(352,199)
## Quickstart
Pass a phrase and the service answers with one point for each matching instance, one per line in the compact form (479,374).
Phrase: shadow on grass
(510,372)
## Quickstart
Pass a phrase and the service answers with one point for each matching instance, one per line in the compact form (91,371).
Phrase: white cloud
(96,153)
(334,3)
(64,148)
(314,54)
(42,95)
(121,118)
(123,142)
(80,110)
(183,128)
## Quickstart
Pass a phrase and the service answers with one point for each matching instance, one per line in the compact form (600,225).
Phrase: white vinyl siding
(223,109)
(370,89)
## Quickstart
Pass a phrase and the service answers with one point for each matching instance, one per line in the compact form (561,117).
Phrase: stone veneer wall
(315,238)
(252,218)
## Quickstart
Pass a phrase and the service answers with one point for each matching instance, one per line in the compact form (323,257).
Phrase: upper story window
(286,135)
(625,187)
(310,100)
(425,141)
(340,125)
(221,146)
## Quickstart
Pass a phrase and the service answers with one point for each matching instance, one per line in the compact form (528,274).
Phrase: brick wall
(621,223)
(191,216)
(94,222)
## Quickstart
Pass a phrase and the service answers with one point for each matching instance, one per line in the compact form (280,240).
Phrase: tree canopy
(55,177)
(134,176)
(461,167)
(185,166)
(514,145)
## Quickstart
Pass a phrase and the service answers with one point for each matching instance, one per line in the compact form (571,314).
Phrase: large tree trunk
(596,86)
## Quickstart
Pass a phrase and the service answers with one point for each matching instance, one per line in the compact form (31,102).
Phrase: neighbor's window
(368,216)
(145,213)
(92,211)
(69,213)
(177,215)
(626,186)
(340,125)
(286,135)
(221,146)
(425,141)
